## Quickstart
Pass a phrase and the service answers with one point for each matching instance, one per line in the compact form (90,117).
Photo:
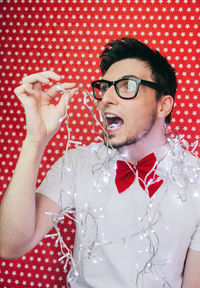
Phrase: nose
(110,96)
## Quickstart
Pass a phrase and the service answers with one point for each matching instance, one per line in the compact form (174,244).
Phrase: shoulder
(92,149)
(180,169)
(178,159)
(94,152)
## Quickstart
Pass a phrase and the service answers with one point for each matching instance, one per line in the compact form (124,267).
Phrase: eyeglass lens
(127,88)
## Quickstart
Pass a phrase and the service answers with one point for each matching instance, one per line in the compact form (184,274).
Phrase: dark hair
(162,72)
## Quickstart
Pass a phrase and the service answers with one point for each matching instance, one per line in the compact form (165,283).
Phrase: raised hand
(42,117)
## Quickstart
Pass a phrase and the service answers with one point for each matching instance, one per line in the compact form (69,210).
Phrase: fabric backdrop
(66,36)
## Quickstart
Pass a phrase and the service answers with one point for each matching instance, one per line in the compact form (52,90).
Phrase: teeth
(110,116)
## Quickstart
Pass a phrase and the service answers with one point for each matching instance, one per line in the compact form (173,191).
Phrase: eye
(104,87)
(129,85)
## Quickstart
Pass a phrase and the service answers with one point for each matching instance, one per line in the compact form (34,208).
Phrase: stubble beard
(135,139)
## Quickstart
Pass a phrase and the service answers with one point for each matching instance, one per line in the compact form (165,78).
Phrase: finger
(24,89)
(61,107)
(64,87)
(42,77)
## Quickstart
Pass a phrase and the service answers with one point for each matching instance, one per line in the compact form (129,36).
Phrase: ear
(165,105)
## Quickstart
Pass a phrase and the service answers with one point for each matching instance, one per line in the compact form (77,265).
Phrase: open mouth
(113,121)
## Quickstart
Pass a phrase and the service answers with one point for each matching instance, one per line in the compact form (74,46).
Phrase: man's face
(128,121)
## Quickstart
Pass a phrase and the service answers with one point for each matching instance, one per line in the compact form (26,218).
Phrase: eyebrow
(125,76)
(129,76)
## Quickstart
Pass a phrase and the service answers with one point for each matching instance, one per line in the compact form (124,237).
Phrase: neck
(135,152)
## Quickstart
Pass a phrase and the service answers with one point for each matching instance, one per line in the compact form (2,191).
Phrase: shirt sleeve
(59,183)
(195,241)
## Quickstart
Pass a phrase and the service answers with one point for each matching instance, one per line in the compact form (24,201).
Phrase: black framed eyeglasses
(126,88)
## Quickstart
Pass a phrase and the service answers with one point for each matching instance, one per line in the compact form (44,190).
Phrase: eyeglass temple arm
(155,86)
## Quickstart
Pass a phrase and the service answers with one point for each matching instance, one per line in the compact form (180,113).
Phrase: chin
(112,143)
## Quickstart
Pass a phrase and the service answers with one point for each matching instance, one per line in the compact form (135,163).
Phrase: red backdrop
(66,36)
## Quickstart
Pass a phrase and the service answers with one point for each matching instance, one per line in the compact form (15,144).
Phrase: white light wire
(147,230)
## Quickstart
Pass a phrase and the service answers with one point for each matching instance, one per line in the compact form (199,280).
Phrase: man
(137,231)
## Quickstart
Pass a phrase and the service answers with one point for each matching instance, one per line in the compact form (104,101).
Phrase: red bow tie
(125,174)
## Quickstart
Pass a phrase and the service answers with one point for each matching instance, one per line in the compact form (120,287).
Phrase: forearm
(17,210)
(191,278)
